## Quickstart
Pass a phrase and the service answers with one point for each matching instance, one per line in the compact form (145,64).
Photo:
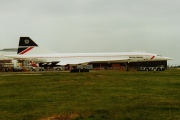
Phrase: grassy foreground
(98,95)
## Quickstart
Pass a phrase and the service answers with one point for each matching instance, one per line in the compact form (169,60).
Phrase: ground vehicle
(160,68)
(59,68)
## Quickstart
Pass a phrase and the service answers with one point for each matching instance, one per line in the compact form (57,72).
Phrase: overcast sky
(94,25)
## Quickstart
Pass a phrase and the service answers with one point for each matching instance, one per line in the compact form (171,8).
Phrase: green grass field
(98,95)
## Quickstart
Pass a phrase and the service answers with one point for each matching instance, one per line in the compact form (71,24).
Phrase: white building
(8,51)
(5,61)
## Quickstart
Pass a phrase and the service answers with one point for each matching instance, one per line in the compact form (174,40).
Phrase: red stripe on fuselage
(26,50)
(152,57)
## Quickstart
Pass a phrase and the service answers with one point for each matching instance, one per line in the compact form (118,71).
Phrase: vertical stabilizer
(28,46)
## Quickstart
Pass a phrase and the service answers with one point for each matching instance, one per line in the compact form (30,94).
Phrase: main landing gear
(127,66)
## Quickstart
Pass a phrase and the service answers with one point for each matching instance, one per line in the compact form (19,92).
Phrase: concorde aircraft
(29,50)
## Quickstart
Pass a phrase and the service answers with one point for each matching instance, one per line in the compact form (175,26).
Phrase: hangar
(132,65)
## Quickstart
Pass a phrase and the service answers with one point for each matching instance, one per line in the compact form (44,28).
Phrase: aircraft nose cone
(167,58)
(170,58)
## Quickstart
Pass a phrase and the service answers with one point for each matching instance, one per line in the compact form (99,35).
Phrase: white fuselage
(128,56)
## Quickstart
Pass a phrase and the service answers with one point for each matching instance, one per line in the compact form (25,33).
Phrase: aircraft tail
(28,46)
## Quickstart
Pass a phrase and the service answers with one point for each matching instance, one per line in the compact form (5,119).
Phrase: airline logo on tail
(25,45)
(26,41)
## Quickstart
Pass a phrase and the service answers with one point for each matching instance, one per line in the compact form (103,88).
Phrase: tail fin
(28,46)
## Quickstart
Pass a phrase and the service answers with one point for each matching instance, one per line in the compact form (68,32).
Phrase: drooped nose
(167,58)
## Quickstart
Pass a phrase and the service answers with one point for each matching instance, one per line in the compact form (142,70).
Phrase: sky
(94,25)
